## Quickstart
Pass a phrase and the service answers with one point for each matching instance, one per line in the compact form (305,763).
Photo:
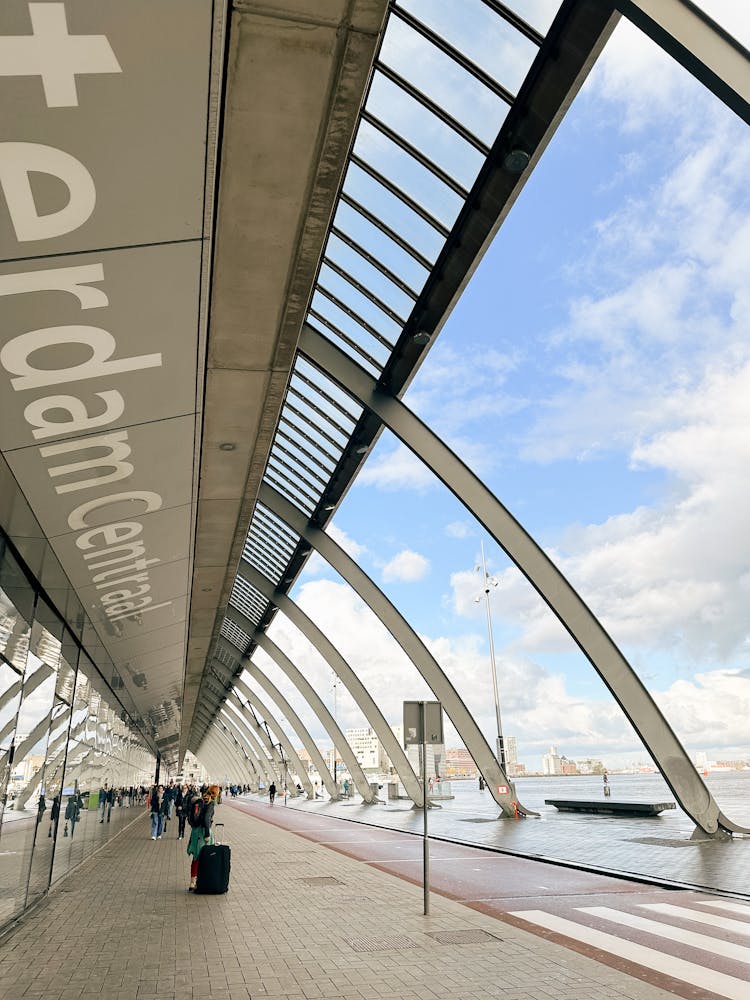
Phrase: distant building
(368,750)
(551,763)
(459,762)
(568,766)
(511,755)
(590,766)
(436,759)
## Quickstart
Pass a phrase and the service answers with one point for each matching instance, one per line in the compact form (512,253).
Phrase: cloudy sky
(596,375)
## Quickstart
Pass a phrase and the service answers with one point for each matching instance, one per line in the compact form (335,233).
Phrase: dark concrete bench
(608,808)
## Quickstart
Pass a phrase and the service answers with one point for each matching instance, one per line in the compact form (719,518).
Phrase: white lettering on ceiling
(54,55)
(17,161)
(14,357)
(51,53)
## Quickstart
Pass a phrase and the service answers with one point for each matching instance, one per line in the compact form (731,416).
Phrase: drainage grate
(473,935)
(321,880)
(387,942)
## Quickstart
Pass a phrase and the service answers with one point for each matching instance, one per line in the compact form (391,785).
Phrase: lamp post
(284,768)
(335,719)
(487,583)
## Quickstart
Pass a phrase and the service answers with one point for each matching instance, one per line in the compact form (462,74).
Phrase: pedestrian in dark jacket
(157,815)
(54,816)
(181,805)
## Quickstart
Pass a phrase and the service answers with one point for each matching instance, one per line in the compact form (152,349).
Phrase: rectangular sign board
(413,722)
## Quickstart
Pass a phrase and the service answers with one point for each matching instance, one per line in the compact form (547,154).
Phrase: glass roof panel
(538,13)
(487,39)
(407,116)
(360,354)
(370,312)
(341,400)
(381,246)
(368,274)
(391,210)
(235,635)
(442,79)
(410,175)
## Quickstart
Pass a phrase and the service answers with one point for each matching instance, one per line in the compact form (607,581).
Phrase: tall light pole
(487,583)
(335,719)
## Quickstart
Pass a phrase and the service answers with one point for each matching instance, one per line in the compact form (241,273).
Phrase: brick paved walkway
(123,927)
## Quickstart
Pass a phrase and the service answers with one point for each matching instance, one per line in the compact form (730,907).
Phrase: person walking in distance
(157,806)
(180,806)
(200,817)
(272,792)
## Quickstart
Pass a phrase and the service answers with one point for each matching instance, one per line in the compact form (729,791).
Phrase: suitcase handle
(218,841)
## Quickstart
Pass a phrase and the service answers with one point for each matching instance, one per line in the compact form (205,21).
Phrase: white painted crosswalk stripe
(716,946)
(711,919)
(715,982)
(727,905)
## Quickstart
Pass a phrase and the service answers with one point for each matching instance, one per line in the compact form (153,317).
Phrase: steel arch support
(314,701)
(234,734)
(625,685)
(407,638)
(251,745)
(271,721)
(258,732)
(294,720)
(213,756)
(229,750)
(230,753)
(699,44)
(349,678)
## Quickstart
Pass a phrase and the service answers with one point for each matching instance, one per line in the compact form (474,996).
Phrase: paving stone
(141,935)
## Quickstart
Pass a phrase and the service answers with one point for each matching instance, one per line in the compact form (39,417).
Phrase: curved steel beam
(236,734)
(259,731)
(699,44)
(409,641)
(292,757)
(348,677)
(624,684)
(214,757)
(294,721)
(250,744)
(233,759)
(311,697)
(241,726)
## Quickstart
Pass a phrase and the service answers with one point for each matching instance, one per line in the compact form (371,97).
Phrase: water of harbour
(657,848)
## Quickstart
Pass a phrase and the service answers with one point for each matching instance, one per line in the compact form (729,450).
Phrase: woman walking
(157,816)
(200,817)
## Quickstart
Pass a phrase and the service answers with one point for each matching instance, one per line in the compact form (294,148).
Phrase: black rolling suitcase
(214,863)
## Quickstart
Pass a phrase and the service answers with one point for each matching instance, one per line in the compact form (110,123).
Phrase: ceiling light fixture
(422,337)
(227,446)
(361,449)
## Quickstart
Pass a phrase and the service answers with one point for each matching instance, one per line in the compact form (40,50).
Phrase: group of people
(191,806)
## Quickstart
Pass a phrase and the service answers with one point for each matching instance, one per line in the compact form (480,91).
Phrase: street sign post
(423,724)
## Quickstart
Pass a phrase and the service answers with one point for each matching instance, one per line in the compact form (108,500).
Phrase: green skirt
(198,841)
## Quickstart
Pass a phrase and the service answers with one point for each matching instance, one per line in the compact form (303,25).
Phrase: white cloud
(459,529)
(407,567)
(398,469)
(347,543)
(537,706)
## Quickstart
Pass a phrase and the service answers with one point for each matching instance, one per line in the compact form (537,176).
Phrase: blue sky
(596,375)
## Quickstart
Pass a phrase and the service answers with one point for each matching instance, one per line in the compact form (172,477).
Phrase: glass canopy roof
(441,88)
